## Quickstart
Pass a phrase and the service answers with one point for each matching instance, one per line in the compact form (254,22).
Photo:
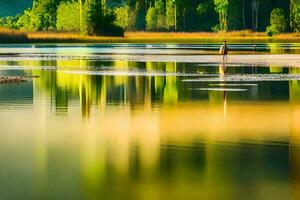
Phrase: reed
(245,36)
(70,38)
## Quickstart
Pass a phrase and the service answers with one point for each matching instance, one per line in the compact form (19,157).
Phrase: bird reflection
(222,71)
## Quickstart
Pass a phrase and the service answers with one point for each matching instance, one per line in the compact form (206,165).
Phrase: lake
(141,121)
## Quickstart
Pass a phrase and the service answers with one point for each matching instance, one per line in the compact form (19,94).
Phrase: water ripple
(248,78)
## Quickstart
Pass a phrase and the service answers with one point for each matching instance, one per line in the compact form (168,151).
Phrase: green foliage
(41,17)
(170,15)
(122,16)
(222,9)
(155,18)
(95,20)
(108,27)
(216,28)
(90,16)
(68,18)
(202,8)
(295,17)
(29,21)
(154,15)
(151,19)
(9,22)
(277,22)
(96,16)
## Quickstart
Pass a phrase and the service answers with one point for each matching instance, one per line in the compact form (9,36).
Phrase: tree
(68,18)
(122,16)
(9,22)
(244,19)
(221,7)
(235,15)
(183,15)
(255,8)
(155,18)
(277,22)
(170,14)
(140,15)
(151,19)
(295,15)
(41,17)
(205,11)
(90,16)
(95,19)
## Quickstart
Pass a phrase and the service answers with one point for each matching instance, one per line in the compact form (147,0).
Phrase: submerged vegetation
(15,79)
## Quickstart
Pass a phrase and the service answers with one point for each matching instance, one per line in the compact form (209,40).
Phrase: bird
(254,48)
(224,50)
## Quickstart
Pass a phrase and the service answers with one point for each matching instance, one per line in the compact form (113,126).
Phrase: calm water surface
(150,122)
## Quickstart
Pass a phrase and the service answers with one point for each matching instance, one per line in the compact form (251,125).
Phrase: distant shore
(8,36)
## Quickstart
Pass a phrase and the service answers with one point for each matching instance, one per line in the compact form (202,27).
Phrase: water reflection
(80,136)
(188,49)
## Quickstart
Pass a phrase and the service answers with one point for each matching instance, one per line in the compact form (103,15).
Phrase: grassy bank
(7,36)
(11,36)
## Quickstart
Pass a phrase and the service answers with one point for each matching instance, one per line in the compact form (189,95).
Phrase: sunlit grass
(195,37)
(9,36)
(70,37)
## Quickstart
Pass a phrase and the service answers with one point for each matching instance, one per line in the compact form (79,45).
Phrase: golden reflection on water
(118,140)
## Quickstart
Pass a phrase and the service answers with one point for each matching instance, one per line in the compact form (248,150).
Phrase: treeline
(91,17)
(209,15)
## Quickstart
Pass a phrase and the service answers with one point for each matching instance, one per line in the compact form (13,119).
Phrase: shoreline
(253,60)
(9,37)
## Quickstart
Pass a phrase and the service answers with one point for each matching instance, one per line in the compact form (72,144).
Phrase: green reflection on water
(147,137)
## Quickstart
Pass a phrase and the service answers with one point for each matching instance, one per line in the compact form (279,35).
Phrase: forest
(113,17)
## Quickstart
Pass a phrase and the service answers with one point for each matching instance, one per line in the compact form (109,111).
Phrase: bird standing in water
(254,48)
(224,50)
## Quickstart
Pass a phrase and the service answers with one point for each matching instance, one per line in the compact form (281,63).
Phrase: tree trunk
(244,22)
(81,15)
(252,18)
(256,16)
(255,9)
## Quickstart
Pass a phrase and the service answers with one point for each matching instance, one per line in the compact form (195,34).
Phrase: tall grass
(11,36)
(70,38)
(245,36)
(198,37)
